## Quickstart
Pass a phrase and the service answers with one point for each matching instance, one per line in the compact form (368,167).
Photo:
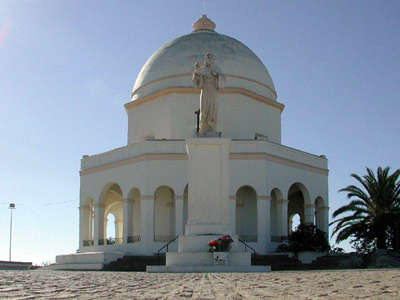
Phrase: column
(282,205)
(118,230)
(263,219)
(128,219)
(232,204)
(98,223)
(83,224)
(147,211)
(309,213)
(179,215)
(325,220)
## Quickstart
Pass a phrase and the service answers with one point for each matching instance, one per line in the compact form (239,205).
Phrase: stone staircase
(135,263)
(278,262)
(282,262)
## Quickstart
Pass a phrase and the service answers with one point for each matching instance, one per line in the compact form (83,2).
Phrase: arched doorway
(298,197)
(164,214)
(294,222)
(246,214)
(112,224)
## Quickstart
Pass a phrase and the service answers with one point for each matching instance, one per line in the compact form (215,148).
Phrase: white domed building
(146,185)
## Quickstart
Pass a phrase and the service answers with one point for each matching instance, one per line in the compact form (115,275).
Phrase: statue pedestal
(208,176)
(209,214)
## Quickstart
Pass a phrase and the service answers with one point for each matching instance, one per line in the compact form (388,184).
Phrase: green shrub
(308,237)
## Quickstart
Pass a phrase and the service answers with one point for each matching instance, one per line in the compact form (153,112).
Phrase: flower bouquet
(219,248)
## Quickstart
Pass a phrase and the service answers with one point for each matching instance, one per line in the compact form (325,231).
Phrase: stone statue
(207,76)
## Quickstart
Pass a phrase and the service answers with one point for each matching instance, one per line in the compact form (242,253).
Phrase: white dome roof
(171,65)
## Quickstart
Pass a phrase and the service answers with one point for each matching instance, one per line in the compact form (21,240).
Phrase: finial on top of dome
(204,23)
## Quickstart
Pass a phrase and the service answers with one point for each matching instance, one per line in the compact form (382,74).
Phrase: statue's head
(209,59)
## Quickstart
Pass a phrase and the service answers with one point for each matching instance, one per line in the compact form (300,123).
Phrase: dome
(171,65)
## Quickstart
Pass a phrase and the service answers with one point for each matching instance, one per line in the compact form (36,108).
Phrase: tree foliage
(306,237)
(372,218)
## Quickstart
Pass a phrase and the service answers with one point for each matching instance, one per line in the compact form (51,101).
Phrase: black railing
(133,239)
(166,245)
(249,238)
(102,242)
(247,246)
(87,243)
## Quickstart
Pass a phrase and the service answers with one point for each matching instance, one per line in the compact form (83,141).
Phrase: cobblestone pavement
(349,284)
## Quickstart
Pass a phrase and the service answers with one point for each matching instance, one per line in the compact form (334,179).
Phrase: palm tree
(372,216)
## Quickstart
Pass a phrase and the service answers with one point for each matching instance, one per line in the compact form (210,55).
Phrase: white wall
(148,175)
(172,117)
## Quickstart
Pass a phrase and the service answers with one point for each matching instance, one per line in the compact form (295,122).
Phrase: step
(208,269)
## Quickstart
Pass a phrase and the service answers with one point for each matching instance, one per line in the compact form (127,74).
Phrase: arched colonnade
(256,218)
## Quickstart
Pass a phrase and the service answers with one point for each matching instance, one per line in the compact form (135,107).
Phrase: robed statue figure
(207,76)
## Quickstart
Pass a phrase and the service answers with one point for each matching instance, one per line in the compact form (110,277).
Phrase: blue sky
(67,68)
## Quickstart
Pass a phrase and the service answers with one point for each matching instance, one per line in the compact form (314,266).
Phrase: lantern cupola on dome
(204,23)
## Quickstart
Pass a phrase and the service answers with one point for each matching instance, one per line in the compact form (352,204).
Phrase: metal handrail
(247,246)
(166,245)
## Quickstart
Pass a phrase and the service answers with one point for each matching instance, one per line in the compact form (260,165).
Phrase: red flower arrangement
(222,244)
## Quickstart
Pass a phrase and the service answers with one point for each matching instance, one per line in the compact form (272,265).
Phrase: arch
(300,187)
(111,202)
(134,216)
(164,214)
(275,215)
(185,206)
(246,213)
(298,197)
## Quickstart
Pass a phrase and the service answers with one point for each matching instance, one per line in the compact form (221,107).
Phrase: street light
(11,207)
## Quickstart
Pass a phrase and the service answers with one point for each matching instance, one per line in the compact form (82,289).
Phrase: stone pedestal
(208,175)
(209,213)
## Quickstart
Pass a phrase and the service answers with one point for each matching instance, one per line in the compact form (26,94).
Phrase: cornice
(193,90)
(183,156)
(190,75)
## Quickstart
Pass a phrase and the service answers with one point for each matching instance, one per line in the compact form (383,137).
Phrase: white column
(83,224)
(309,213)
(179,215)
(325,220)
(232,204)
(98,223)
(147,226)
(118,230)
(91,219)
(128,219)
(282,205)
(263,216)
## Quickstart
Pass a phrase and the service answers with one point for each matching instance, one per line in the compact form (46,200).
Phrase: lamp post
(11,207)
